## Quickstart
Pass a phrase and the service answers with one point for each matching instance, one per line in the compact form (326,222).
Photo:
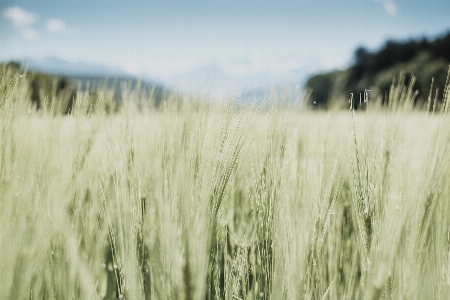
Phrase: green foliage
(321,86)
(376,70)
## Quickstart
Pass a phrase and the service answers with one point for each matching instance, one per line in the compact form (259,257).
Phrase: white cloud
(389,6)
(55,25)
(19,17)
(22,20)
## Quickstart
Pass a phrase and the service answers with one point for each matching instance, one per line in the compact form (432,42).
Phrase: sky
(167,38)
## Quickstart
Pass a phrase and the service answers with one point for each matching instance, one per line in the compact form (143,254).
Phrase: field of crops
(218,202)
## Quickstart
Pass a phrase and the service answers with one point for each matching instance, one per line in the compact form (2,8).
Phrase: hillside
(375,70)
(43,87)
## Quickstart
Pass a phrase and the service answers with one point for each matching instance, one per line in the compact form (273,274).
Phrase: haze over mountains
(208,80)
(58,66)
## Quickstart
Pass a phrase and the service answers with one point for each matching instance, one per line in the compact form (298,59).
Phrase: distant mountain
(211,81)
(206,80)
(67,68)
(215,81)
(46,75)
(94,76)
(121,85)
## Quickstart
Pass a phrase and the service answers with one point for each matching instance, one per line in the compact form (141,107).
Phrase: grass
(211,202)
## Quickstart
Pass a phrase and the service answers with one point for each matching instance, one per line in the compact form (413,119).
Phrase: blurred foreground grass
(213,202)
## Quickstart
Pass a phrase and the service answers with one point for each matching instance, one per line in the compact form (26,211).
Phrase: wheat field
(221,202)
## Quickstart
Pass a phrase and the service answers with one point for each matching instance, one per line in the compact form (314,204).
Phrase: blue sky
(166,38)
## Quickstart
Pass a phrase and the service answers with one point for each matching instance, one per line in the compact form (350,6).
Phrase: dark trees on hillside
(321,87)
(375,70)
(44,88)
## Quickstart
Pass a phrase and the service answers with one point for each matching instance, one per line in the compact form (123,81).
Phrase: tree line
(423,59)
